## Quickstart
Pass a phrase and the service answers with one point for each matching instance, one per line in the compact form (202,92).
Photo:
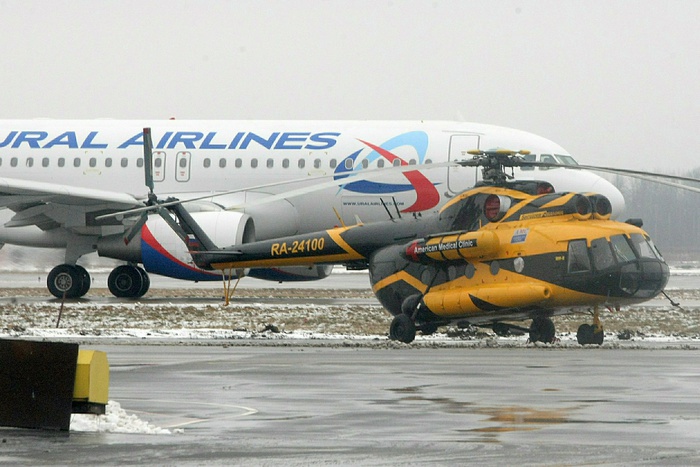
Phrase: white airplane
(62,181)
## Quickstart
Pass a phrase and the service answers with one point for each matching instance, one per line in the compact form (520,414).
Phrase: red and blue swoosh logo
(427,195)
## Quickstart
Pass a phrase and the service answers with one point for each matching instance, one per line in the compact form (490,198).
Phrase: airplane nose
(617,201)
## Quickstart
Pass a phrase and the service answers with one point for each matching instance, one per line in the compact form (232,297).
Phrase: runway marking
(246,410)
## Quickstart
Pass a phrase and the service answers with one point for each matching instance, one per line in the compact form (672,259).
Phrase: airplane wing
(36,202)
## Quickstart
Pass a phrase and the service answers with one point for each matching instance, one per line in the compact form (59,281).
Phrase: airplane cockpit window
(622,249)
(529,158)
(547,158)
(566,160)
(602,254)
(578,260)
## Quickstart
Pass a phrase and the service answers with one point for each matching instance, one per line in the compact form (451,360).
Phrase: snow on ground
(115,420)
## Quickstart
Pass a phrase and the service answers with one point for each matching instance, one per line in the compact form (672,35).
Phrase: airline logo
(427,195)
(174,140)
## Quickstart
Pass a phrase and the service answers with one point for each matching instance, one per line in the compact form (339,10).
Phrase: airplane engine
(162,251)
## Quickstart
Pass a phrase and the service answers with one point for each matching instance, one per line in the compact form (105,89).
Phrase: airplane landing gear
(128,281)
(542,330)
(68,281)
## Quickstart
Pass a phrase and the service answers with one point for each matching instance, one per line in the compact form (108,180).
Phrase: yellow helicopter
(503,251)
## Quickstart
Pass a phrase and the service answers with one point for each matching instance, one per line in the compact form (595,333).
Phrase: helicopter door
(461,178)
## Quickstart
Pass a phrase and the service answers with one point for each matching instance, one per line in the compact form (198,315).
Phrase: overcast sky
(614,82)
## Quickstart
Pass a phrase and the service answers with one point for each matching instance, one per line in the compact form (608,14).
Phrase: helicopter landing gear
(591,333)
(402,329)
(542,330)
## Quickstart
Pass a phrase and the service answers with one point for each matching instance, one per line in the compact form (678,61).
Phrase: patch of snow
(115,420)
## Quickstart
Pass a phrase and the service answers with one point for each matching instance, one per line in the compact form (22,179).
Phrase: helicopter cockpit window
(642,247)
(602,254)
(529,158)
(578,260)
(622,249)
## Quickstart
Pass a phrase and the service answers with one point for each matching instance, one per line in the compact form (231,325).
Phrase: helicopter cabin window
(529,158)
(578,260)
(622,249)
(602,254)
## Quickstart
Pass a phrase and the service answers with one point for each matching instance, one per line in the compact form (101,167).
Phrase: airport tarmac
(301,405)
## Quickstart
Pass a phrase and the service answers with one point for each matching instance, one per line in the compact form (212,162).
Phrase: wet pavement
(299,405)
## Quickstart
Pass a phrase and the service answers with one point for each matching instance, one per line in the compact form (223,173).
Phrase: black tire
(86,280)
(402,329)
(66,281)
(125,281)
(542,330)
(584,334)
(597,336)
(145,284)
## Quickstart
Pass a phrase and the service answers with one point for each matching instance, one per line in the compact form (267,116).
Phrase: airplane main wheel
(542,330)
(68,281)
(402,329)
(128,282)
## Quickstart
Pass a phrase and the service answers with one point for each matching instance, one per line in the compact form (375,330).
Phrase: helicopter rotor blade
(148,159)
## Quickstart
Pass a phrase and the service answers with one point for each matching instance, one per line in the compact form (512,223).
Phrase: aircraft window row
(108,162)
(605,254)
(301,163)
(77,162)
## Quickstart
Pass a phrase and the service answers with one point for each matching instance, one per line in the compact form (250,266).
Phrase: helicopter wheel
(590,334)
(402,329)
(428,328)
(542,330)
